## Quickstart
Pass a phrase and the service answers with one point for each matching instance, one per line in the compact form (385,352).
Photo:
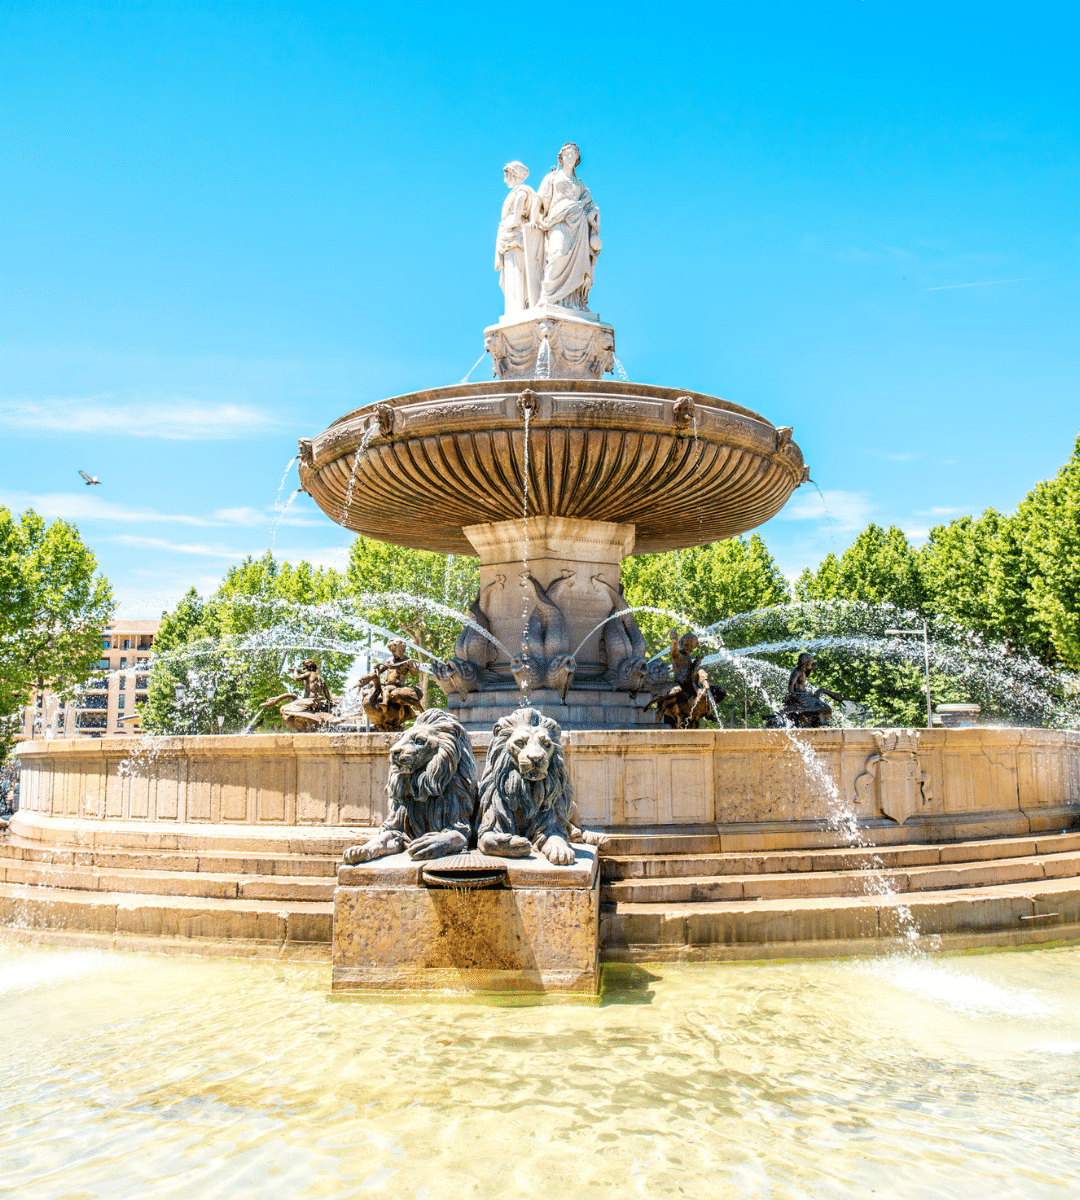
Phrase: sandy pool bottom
(140,1075)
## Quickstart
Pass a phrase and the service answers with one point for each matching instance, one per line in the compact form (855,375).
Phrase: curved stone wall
(751,786)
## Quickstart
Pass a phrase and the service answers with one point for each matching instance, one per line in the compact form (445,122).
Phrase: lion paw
(505,845)
(438,845)
(376,847)
(557,851)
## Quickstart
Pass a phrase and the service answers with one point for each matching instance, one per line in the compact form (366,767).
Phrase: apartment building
(111,696)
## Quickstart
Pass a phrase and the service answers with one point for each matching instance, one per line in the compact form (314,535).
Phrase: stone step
(215,861)
(692,888)
(1004,914)
(690,863)
(222,885)
(206,924)
(192,837)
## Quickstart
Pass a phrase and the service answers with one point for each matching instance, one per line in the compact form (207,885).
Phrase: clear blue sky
(222,226)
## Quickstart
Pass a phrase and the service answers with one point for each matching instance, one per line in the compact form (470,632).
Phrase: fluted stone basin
(681,467)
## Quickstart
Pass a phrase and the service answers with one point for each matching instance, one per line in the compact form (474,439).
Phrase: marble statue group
(548,239)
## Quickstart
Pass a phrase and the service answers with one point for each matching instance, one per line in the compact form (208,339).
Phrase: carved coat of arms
(894,776)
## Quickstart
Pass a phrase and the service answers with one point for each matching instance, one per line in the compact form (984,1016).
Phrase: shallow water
(132,1075)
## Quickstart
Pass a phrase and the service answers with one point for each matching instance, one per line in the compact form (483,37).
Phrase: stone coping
(606,739)
(399,870)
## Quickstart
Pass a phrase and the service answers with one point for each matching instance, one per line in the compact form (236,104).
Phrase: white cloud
(891,457)
(330,556)
(916,534)
(92,506)
(201,549)
(178,420)
(844,510)
(948,287)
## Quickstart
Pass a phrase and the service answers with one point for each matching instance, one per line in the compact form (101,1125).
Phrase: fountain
(720,843)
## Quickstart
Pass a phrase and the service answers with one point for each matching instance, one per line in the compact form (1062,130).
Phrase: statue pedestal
(538,932)
(571,559)
(551,342)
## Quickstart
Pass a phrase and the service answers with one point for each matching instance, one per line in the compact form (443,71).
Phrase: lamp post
(925,631)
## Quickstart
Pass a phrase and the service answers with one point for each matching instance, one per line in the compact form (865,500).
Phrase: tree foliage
(230,651)
(1010,578)
(53,607)
(705,583)
(409,592)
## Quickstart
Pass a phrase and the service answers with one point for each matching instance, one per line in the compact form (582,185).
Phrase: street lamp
(926,658)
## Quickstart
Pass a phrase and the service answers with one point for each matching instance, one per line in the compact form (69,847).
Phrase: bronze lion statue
(431,793)
(526,798)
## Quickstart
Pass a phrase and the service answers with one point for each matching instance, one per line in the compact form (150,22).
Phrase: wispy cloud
(177,420)
(91,506)
(948,287)
(941,512)
(891,457)
(845,510)
(199,549)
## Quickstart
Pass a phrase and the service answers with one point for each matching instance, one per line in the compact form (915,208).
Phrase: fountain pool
(898,1078)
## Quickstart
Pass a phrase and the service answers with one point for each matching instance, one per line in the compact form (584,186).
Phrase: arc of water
(465,377)
(680,618)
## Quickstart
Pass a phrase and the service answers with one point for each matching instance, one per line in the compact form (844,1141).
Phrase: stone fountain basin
(682,467)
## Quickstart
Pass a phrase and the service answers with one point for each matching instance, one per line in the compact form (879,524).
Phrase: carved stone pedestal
(552,342)
(583,708)
(576,564)
(536,933)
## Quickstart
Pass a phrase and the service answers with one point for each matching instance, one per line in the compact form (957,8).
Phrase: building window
(120,703)
(106,642)
(102,664)
(123,662)
(123,682)
(127,643)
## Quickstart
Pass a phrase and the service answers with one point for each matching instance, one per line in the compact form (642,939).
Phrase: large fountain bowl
(682,467)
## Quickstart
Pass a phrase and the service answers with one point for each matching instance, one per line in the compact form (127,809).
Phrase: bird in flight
(89,478)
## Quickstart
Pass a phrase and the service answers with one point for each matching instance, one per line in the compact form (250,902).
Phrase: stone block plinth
(537,932)
(550,342)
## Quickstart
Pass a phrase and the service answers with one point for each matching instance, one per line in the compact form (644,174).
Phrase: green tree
(880,566)
(1047,528)
(53,607)
(231,651)
(705,583)
(957,566)
(405,591)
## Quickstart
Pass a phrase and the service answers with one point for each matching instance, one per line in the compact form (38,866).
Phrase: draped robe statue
(570,221)
(518,244)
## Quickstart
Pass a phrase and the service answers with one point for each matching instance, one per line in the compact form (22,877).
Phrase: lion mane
(441,794)
(510,803)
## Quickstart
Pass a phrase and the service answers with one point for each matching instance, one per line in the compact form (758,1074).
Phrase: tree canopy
(53,607)
(706,584)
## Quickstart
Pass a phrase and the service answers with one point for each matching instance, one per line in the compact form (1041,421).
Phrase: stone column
(564,555)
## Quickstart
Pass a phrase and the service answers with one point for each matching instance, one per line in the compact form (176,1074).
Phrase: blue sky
(224,225)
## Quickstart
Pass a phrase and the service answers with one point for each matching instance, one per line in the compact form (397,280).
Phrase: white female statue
(570,221)
(518,244)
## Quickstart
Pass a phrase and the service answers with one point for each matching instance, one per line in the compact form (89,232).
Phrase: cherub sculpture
(388,698)
(302,714)
(804,707)
(688,697)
